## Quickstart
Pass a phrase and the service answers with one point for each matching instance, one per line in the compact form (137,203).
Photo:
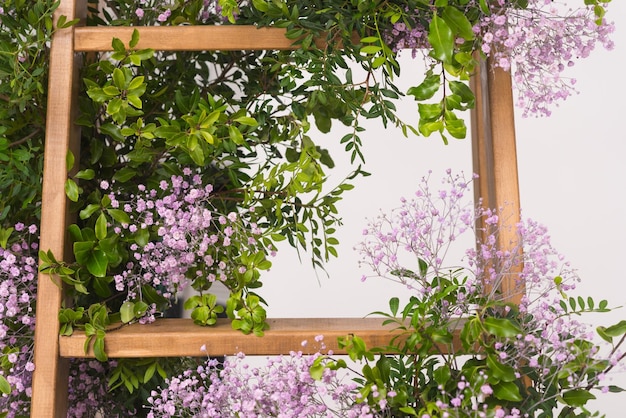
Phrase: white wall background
(572,179)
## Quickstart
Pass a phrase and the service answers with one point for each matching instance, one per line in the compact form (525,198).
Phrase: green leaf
(429,111)
(616,330)
(458,22)
(260,5)
(87,174)
(317,370)
(462,89)
(140,309)
(246,120)
(127,312)
(101,226)
(602,333)
(470,333)
(135,101)
(97,263)
(427,128)
(499,371)
(119,216)
(88,211)
(118,45)
(98,347)
(134,39)
(75,232)
(501,327)
(394,304)
(5,234)
(124,174)
(235,135)
(507,391)
(69,160)
(82,249)
(322,122)
(111,91)
(456,127)
(101,286)
(371,49)
(577,397)
(278,237)
(5,387)
(142,237)
(484,7)
(441,39)
(136,83)
(379,61)
(119,79)
(409,410)
(426,89)
(71,190)
(442,375)
(370,39)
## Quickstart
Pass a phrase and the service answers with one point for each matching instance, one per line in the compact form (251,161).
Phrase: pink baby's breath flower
(164,16)
(486,389)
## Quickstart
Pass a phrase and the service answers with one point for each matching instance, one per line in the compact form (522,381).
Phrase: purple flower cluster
(537,45)
(424,229)
(162,10)
(89,395)
(284,387)
(193,243)
(401,36)
(18,281)
(454,404)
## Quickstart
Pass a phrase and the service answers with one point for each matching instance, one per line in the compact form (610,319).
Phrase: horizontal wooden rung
(184,38)
(181,337)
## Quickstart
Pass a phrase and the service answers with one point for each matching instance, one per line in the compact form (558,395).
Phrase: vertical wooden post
(495,158)
(49,396)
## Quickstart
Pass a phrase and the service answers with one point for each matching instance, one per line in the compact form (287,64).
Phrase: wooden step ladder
(494,159)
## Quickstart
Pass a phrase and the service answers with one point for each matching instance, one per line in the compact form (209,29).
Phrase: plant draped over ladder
(194,165)
(535,359)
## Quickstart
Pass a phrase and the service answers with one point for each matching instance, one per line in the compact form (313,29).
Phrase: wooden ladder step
(196,38)
(181,337)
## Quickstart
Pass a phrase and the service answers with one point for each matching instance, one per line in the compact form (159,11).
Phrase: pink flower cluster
(189,239)
(402,37)
(18,281)
(425,227)
(162,10)
(423,230)
(88,391)
(537,45)
(283,387)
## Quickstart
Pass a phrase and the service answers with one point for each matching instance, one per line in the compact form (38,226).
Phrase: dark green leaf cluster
(363,31)
(25,33)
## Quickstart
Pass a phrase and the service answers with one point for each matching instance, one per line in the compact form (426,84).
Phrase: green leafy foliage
(24,54)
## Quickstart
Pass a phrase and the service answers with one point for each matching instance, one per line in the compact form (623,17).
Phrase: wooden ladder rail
(494,155)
